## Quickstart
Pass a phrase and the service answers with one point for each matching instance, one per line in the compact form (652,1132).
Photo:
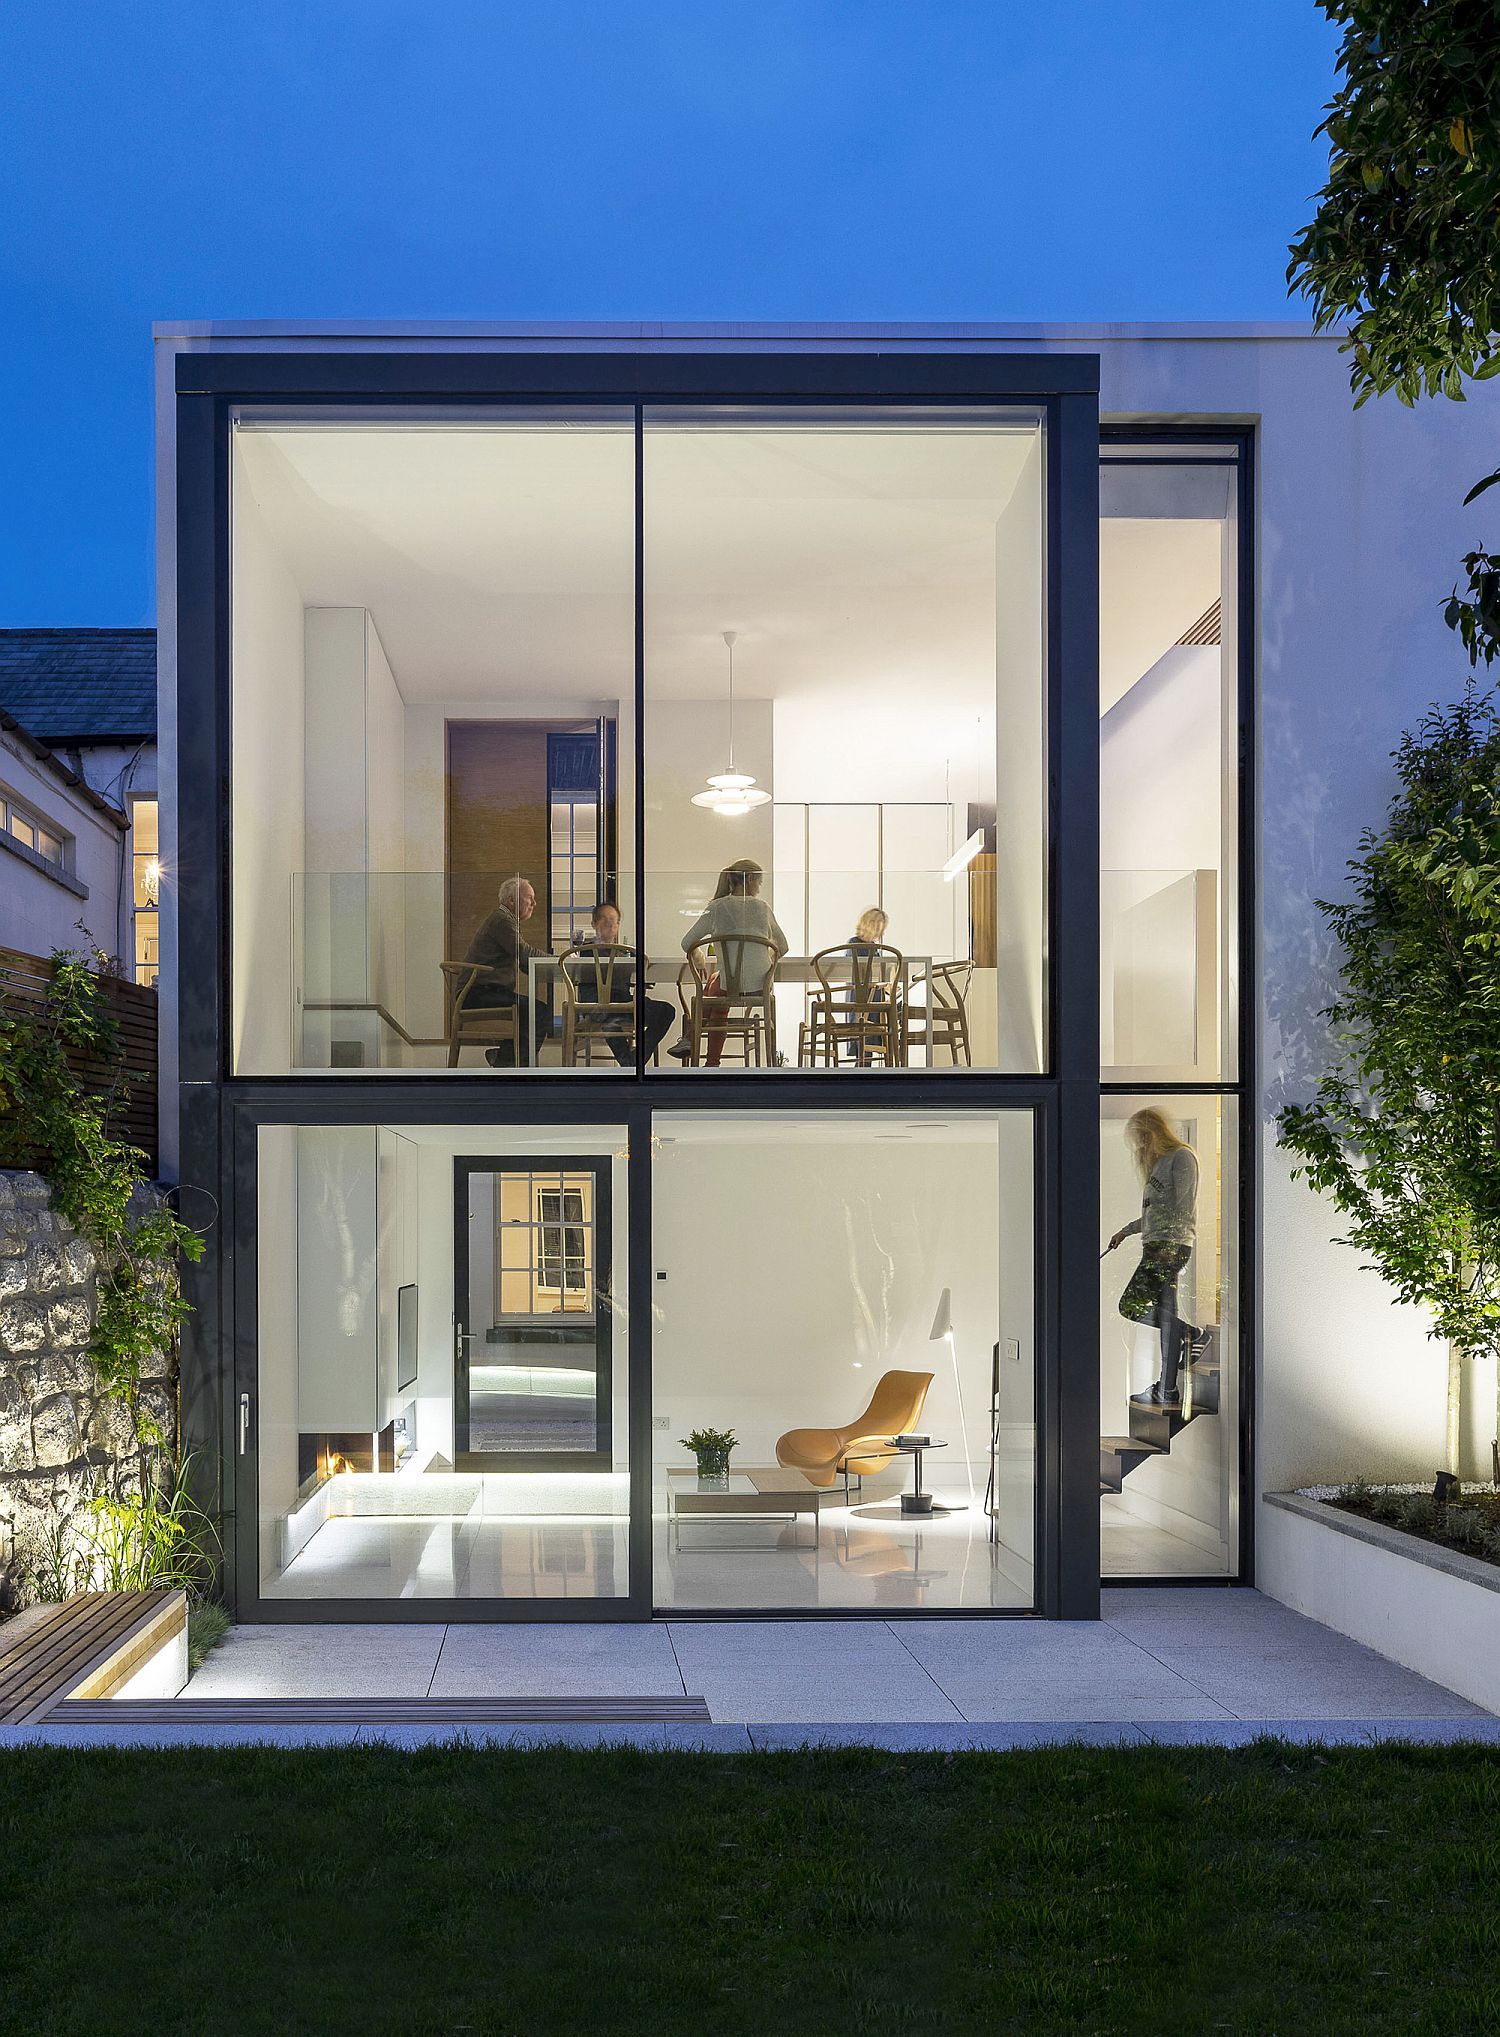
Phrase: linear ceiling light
(960,860)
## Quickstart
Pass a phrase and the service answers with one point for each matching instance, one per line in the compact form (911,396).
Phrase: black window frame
(220,1111)
(1231,444)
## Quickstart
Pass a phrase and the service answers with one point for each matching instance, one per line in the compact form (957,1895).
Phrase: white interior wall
(687,845)
(266,689)
(385,829)
(790,1275)
(1160,774)
(1020,775)
(276,1424)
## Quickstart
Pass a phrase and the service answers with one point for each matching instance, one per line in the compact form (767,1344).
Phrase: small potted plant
(711,1447)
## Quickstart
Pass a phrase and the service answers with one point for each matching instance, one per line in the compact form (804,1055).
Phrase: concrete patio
(1166,1666)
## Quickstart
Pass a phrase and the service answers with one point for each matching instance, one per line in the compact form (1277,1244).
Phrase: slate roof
(80,686)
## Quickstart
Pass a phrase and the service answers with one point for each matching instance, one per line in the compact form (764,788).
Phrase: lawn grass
(511,1893)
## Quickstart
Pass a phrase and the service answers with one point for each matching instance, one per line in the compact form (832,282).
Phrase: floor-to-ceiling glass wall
(800,657)
(1169,933)
(845,757)
(843,1360)
(441,1382)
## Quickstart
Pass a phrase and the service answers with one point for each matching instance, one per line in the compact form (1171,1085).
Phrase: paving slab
(1072,1671)
(821,1671)
(345,1660)
(557,1660)
(1258,1659)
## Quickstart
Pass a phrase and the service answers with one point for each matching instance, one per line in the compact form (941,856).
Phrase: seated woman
(736,909)
(865,987)
(657,1016)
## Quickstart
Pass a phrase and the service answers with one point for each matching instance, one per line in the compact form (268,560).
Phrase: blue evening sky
(675,159)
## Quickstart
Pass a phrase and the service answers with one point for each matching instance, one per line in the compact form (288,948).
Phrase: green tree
(1403,1132)
(1404,248)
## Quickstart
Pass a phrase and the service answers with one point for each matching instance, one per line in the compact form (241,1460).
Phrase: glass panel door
(532,1319)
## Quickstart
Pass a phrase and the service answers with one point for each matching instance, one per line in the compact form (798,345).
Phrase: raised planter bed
(1434,1610)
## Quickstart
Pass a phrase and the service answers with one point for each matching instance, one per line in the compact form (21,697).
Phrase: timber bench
(87,1647)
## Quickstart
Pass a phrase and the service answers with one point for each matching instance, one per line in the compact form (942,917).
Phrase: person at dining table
(865,985)
(741,965)
(657,1014)
(500,951)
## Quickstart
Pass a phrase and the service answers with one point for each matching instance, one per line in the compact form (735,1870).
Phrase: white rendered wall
(37,913)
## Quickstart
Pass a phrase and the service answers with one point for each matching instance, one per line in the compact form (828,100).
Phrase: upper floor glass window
(845,749)
(436,799)
(433,648)
(1169,762)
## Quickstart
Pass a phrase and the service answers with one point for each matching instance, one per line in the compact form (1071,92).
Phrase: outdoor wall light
(731,792)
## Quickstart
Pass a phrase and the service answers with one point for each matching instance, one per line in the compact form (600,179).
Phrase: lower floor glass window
(840,1339)
(846,1301)
(1169,1381)
(443,1377)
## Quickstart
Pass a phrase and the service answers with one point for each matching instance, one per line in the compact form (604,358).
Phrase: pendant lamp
(731,792)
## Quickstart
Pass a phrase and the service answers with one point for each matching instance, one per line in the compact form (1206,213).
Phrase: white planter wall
(1435,1612)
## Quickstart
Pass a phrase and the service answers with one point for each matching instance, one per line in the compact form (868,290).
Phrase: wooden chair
(480,1025)
(598,983)
(857,1005)
(863,1444)
(947,986)
(742,1007)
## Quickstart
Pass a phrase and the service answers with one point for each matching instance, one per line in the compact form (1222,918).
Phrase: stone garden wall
(61,1441)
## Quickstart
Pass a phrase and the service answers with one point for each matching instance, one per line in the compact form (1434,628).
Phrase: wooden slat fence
(132,1006)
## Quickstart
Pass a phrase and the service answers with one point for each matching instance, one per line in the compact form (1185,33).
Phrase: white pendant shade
(731,793)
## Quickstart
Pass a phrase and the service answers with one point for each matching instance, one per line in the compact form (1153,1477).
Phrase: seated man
(498,946)
(658,1015)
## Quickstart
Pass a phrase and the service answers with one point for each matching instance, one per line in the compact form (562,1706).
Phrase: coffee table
(755,1494)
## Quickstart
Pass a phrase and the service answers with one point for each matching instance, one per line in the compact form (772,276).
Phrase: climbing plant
(47,1120)
(1403,1132)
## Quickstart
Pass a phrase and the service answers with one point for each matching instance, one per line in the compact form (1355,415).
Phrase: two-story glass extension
(705,890)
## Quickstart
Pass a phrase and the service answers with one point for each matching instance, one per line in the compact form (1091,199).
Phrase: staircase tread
(1132,1443)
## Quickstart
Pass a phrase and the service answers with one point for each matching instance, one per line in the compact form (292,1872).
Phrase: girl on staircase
(1167,1227)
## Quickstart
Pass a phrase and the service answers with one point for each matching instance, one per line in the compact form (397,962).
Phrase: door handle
(244,1423)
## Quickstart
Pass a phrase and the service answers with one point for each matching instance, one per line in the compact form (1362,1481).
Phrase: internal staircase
(1152,1429)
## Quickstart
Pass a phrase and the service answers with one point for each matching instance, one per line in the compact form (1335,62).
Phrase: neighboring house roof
(74,687)
(43,756)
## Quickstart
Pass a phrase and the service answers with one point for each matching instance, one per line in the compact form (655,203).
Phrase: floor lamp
(942,1333)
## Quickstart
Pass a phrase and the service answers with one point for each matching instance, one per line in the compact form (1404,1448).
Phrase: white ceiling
(499,562)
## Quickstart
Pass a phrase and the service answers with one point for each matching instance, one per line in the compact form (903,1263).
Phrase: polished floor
(566,1536)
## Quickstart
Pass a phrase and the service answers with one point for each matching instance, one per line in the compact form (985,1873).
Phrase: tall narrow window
(145,889)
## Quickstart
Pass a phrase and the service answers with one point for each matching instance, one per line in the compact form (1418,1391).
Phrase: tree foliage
(1404,246)
(46,1119)
(1404,1130)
